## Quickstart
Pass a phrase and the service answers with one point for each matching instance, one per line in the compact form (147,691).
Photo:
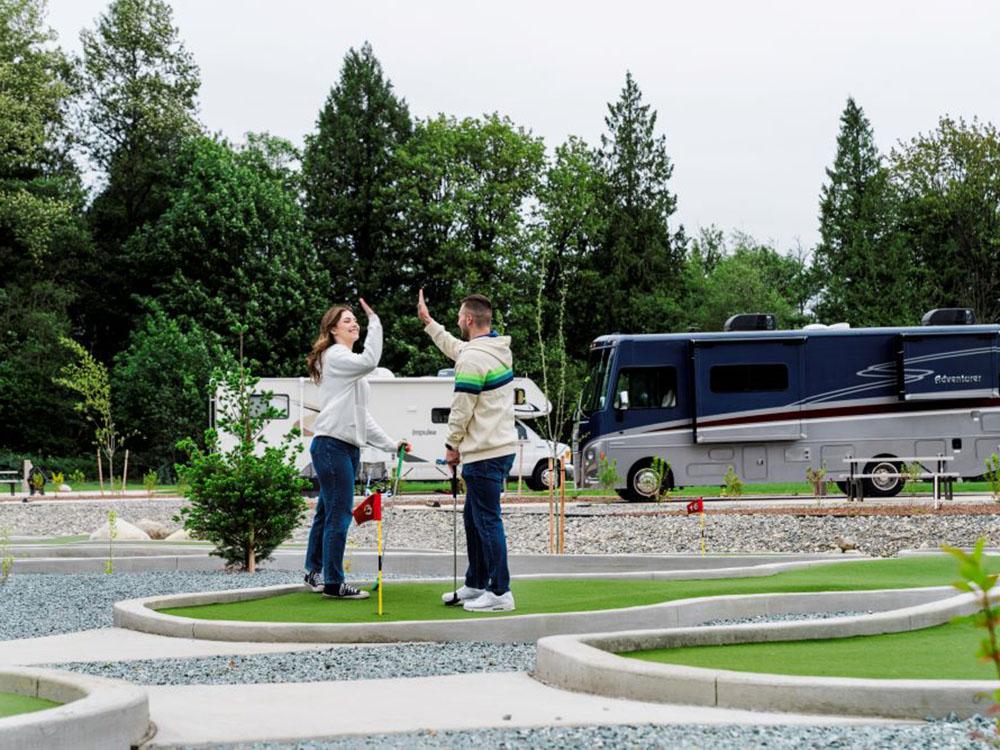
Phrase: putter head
(453,601)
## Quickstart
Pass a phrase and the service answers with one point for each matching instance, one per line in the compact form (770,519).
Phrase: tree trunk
(251,558)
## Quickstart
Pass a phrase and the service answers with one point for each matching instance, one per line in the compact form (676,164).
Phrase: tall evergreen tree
(43,240)
(949,183)
(639,258)
(867,276)
(349,172)
(141,88)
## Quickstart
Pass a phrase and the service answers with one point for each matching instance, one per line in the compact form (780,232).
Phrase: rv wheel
(886,479)
(641,483)
(541,478)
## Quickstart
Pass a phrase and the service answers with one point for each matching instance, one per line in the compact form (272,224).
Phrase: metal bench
(10,477)
(856,484)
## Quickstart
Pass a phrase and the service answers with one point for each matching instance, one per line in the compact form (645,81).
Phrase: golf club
(454,536)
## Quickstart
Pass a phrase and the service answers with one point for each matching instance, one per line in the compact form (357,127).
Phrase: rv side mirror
(621,402)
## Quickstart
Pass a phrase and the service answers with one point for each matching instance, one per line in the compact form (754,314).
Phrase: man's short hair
(479,308)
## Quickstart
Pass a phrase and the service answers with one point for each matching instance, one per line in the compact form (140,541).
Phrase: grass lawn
(12,704)
(944,652)
(421,601)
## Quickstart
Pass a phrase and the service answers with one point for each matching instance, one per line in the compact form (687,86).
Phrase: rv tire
(631,492)
(539,479)
(889,483)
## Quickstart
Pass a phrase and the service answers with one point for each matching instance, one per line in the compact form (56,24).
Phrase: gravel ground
(594,530)
(940,735)
(342,663)
(33,605)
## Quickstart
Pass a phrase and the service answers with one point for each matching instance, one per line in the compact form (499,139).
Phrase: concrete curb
(590,664)
(140,614)
(97,713)
(152,557)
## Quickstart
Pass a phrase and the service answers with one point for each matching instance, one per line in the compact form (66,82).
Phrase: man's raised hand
(422,312)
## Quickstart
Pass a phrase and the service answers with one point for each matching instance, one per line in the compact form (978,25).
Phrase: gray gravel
(342,663)
(930,736)
(591,530)
(33,605)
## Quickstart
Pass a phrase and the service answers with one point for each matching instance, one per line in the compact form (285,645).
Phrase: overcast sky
(748,93)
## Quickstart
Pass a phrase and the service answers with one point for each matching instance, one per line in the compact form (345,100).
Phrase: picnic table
(939,476)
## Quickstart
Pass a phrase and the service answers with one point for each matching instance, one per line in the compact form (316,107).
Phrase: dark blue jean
(484,535)
(336,464)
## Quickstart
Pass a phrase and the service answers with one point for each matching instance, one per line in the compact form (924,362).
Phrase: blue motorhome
(772,404)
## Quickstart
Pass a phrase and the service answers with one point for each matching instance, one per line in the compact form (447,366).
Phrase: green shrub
(977,579)
(245,501)
(817,479)
(733,484)
(6,558)
(607,473)
(662,468)
(77,477)
(149,481)
(992,476)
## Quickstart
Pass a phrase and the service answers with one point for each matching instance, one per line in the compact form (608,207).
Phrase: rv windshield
(595,387)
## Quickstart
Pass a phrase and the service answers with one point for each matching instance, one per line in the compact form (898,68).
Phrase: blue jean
(486,543)
(336,464)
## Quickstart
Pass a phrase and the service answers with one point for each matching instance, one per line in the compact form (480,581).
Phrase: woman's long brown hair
(314,360)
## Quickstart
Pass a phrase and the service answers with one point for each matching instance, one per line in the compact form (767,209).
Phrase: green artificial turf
(12,704)
(944,652)
(422,601)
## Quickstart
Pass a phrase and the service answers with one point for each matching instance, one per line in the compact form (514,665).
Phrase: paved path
(246,713)
(117,644)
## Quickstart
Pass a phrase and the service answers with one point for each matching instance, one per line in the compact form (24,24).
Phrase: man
(481,437)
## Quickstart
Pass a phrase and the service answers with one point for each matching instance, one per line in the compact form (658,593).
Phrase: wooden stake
(552,511)
(520,468)
(562,505)
(125,471)
(100,470)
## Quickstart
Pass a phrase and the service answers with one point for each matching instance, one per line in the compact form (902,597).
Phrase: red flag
(370,509)
(696,506)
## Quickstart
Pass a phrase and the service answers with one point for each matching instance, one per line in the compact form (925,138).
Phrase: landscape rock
(181,535)
(155,529)
(124,532)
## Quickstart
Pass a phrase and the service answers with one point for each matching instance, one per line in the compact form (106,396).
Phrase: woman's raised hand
(365,306)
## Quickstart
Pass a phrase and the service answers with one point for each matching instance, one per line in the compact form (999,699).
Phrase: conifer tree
(639,258)
(348,173)
(140,100)
(861,259)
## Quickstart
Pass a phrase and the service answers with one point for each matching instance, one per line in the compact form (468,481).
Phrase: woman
(341,429)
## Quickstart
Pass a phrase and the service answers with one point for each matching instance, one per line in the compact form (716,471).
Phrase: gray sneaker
(464,594)
(490,602)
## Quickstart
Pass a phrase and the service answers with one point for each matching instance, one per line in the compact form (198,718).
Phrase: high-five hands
(422,312)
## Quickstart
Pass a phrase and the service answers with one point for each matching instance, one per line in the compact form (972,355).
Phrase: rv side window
(279,402)
(649,387)
(440,416)
(748,378)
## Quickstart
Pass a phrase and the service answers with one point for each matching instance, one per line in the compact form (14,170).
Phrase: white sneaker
(490,602)
(465,593)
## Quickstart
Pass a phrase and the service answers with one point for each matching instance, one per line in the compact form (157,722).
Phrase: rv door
(748,389)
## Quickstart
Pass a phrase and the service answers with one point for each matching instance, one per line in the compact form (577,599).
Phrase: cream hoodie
(344,393)
(481,424)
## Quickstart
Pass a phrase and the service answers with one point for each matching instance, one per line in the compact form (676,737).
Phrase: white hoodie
(344,393)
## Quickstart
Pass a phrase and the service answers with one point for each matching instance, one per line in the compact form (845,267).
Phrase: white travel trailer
(411,408)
